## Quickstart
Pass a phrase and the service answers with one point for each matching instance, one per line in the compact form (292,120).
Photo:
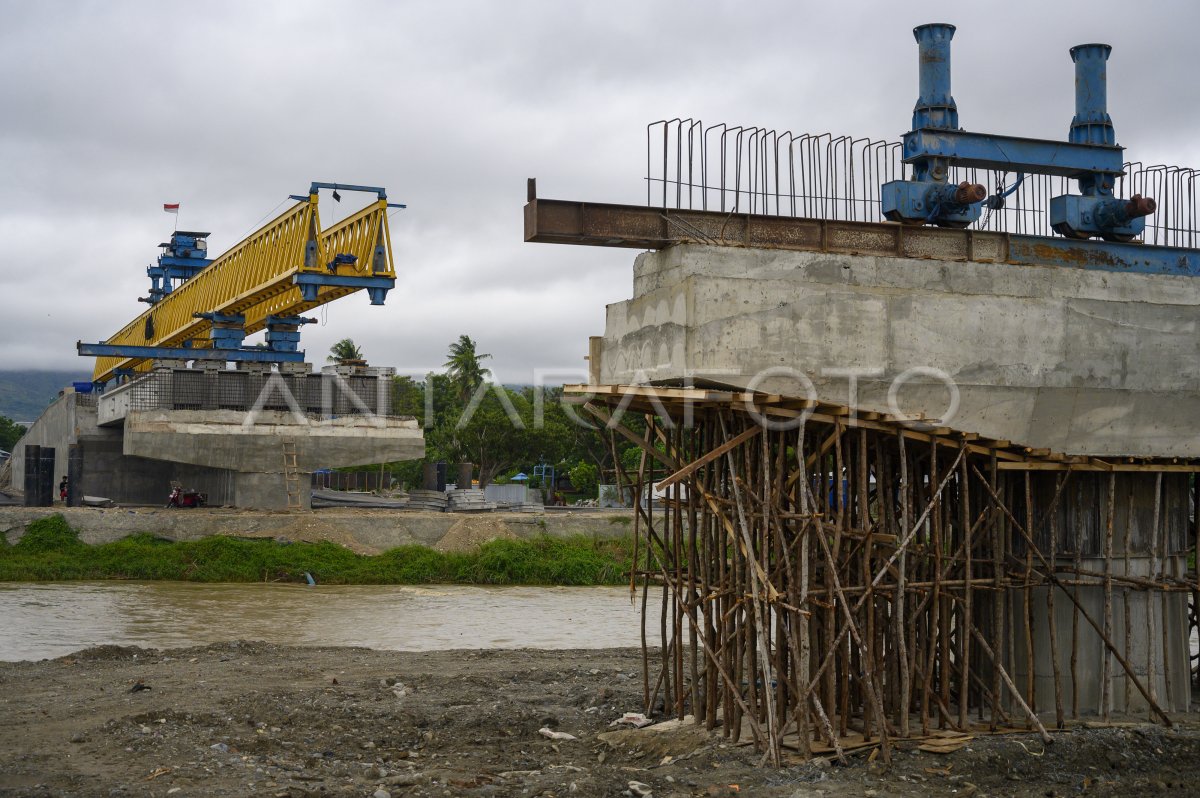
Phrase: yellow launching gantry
(285,268)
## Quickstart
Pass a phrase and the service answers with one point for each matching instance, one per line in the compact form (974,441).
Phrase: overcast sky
(110,109)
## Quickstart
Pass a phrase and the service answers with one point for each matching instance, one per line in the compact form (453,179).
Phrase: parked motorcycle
(185,497)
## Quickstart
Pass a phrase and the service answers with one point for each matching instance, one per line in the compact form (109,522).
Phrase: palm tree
(464,370)
(343,351)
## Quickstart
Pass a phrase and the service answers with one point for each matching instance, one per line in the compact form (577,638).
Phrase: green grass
(51,550)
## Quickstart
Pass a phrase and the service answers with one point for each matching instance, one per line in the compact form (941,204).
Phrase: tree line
(501,429)
(10,433)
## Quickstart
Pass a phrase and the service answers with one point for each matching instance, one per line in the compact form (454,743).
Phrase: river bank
(475,552)
(364,531)
(236,719)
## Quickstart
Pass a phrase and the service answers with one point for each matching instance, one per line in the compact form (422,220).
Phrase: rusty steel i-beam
(641,227)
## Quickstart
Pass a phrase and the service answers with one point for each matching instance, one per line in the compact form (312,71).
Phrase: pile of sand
(471,532)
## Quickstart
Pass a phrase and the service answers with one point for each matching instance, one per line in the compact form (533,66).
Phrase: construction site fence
(753,170)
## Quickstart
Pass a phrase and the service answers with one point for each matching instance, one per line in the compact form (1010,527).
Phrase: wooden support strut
(839,579)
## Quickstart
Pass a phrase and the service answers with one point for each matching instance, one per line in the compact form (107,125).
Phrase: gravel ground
(242,719)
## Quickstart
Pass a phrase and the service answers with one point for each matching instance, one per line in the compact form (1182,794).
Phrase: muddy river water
(51,619)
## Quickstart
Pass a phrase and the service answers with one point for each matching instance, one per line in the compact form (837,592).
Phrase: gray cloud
(110,109)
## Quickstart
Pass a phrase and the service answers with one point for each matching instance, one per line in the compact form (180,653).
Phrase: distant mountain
(25,394)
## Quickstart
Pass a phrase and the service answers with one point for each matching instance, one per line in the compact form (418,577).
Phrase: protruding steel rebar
(749,169)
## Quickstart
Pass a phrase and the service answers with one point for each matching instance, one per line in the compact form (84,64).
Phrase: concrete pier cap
(1079,361)
(246,440)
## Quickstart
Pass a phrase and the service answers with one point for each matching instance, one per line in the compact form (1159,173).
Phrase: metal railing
(739,169)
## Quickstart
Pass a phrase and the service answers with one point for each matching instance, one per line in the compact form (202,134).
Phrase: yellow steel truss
(255,279)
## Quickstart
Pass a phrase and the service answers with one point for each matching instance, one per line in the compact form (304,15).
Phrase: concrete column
(1145,649)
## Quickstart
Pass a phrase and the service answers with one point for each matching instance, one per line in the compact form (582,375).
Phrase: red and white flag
(170,207)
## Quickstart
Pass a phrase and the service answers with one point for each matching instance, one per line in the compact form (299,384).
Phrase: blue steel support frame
(310,284)
(1012,153)
(378,191)
(248,354)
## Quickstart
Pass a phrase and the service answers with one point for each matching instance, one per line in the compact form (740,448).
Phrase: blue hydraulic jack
(936,144)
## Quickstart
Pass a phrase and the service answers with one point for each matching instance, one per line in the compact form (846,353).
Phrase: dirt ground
(240,719)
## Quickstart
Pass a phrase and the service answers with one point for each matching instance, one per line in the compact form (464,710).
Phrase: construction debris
(432,500)
(468,500)
(339,498)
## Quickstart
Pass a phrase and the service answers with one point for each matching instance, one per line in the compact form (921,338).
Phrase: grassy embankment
(51,550)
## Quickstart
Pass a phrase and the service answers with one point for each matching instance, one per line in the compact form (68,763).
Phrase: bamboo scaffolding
(819,574)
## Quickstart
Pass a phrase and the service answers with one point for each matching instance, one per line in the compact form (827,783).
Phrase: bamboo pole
(804,666)
(1106,662)
(1012,688)
(1051,620)
(1127,543)
(935,608)
(997,598)
(760,618)
(902,708)
(872,686)
(1030,683)
(967,625)
(1077,554)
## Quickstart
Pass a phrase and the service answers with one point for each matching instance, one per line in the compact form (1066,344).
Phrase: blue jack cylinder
(1092,124)
(1096,212)
(935,106)
(928,198)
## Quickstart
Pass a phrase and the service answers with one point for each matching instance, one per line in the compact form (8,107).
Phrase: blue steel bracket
(929,202)
(248,354)
(310,285)
(1011,153)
